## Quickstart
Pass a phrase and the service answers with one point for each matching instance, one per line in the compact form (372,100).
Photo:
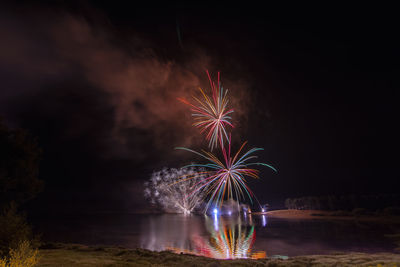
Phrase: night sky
(97,83)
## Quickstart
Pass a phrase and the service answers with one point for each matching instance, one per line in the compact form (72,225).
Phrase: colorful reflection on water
(228,236)
(219,237)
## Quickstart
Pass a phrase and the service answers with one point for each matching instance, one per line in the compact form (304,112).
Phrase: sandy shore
(80,255)
(325,215)
(304,214)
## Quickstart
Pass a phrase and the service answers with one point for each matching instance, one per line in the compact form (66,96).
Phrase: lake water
(251,236)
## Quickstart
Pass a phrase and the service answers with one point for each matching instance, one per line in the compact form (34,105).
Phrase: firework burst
(226,178)
(211,114)
(163,190)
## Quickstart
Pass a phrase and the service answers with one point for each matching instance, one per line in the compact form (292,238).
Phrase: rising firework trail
(211,114)
(226,178)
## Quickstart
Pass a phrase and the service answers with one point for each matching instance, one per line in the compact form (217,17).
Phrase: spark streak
(211,114)
(225,179)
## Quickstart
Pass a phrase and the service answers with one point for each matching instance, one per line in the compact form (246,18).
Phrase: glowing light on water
(216,220)
(230,238)
(231,241)
(264,220)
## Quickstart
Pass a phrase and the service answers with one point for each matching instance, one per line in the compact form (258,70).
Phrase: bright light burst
(226,179)
(170,189)
(211,114)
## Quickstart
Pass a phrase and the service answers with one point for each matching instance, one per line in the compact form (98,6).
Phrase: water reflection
(196,234)
(231,238)
(264,220)
(220,237)
(161,232)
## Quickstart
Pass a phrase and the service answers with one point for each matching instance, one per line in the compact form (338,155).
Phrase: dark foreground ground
(79,255)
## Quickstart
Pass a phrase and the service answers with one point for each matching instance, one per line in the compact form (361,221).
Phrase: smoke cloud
(137,86)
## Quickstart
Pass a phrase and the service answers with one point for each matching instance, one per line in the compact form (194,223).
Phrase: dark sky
(97,83)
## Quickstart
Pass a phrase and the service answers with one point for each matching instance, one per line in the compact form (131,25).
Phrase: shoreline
(64,254)
(59,254)
(325,215)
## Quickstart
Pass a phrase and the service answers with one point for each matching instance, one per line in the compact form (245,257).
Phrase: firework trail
(162,189)
(211,114)
(226,178)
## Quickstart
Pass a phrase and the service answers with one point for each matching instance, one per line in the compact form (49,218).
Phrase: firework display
(226,179)
(171,189)
(211,114)
(222,177)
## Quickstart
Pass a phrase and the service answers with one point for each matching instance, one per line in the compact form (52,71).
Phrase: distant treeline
(345,202)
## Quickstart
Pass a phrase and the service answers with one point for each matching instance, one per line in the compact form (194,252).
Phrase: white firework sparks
(171,189)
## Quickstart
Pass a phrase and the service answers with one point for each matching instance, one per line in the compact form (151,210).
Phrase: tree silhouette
(19,166)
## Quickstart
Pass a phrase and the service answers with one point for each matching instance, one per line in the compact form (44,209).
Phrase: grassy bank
(80,255)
